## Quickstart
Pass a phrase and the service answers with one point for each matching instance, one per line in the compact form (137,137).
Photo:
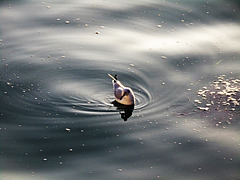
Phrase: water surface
(57,120)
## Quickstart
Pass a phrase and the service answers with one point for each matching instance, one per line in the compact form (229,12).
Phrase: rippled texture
(57,119)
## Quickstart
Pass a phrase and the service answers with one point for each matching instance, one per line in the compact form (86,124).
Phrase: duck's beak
(112,77)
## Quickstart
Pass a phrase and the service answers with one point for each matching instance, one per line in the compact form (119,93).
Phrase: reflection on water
(56,116)
(124,110)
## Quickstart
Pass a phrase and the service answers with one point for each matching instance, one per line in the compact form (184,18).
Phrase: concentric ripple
(143,97)
(82,97)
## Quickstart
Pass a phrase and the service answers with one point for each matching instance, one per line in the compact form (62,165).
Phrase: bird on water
(123,95)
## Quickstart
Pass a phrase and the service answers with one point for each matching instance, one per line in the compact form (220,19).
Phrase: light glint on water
(57,119)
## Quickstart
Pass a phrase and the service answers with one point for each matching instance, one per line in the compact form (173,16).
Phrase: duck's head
(116,77)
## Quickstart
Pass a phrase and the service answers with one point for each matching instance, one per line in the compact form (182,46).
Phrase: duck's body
(123,95)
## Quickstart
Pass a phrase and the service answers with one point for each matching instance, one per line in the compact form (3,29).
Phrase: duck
(123,95)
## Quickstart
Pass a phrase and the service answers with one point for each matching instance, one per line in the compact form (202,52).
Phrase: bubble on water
(68,129)
(221,97)
(197,101)
(120,170)
(163,57)
(203,108)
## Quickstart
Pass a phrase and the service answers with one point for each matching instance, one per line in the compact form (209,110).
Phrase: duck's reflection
(124,110)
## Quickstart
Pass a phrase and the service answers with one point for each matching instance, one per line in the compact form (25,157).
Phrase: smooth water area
(56,116)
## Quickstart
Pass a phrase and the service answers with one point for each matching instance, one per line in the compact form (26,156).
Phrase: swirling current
(180,58)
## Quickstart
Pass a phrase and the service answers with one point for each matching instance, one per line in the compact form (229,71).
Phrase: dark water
(57,120)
